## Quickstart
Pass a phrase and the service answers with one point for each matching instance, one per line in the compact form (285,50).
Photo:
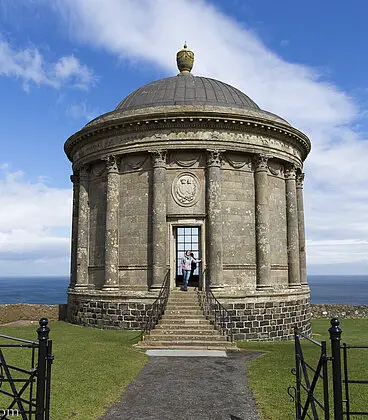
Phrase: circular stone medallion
(186,189)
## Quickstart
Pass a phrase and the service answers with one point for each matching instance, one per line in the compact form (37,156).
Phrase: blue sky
(64,62)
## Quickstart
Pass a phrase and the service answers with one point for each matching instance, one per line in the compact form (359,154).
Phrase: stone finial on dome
(185,59)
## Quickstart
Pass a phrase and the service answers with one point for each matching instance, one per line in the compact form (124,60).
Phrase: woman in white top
(186,268)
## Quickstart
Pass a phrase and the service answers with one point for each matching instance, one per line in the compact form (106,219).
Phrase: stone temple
(189,162)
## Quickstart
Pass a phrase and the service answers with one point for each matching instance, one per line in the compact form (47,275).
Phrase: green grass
(92,367)
(269,375)
(90,370)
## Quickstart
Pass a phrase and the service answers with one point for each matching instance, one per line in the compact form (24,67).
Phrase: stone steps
(184,326)
(188,344)
(171,306)
(181,331)
(198,346)
(175,316)
(185,322)
(183,312)
(183,338)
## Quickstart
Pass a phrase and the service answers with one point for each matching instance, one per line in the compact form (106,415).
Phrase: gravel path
(188,388)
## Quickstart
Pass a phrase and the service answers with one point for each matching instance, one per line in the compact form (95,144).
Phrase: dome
(186,89)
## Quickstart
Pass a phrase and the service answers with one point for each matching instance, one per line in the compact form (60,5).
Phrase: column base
(264,287)
(110,287)
(84,287)
(216,287)
(295,286)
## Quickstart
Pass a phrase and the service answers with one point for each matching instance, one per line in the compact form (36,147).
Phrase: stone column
(214,214)
(73,259)
(159,224)
(112,224)
(83,229)
(292,226)
(302,252)
(262,222)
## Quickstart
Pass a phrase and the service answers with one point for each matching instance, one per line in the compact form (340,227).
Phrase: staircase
(183,326)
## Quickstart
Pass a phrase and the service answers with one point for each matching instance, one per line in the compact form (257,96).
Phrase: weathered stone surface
(231,172)
(262,222)
(214,214)
(112,224)
(292,226)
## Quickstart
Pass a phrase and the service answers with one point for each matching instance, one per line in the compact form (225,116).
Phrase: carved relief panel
(187,191)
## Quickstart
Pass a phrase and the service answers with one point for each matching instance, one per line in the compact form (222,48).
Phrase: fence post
(43,336)
(335,337)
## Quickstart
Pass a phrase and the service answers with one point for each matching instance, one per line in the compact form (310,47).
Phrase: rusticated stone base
(269,318)
(261,317)
(113,313)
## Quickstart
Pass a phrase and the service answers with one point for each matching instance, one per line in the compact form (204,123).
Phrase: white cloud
(30,66)
(35,218)
(152,31)
(34,223)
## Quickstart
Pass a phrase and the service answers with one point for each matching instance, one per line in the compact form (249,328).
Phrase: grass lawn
(90,370)
(270,376)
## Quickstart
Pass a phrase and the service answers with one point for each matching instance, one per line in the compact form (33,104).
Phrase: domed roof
(186,89)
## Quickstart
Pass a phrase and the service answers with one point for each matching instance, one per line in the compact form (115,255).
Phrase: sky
(64,62)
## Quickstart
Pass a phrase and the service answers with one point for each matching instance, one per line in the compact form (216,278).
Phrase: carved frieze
(275,168)
(185,159)
(186,189)
(98,169)
(238,161)
(134,162)
(234,139)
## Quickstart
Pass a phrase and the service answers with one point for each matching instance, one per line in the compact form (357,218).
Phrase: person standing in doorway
(186,268)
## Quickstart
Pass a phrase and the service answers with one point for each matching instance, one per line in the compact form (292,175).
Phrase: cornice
(144,125)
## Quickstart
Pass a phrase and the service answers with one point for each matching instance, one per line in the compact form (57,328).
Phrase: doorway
(187,238)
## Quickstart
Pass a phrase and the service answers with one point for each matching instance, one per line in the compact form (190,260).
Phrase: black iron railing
(350,411)
(219,316)
(25,392)
(155,312)
(307,405)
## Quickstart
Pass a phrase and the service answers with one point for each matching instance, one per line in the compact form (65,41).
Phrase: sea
(351,290)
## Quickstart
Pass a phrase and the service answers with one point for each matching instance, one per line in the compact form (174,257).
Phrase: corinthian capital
(111,164)
(261,162)
(158,158)
(299,180)
(290,171)
(215,157)
(84,173)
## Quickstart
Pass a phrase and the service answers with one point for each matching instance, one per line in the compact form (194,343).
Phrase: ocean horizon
(338,289)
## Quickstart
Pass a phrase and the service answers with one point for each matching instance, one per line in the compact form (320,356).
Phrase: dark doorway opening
(188,238)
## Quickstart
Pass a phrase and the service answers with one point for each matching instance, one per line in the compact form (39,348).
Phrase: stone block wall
(97,223)
(238,226)
(108,314)
(278,226)
(269,319)
(134,235)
